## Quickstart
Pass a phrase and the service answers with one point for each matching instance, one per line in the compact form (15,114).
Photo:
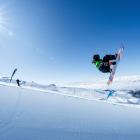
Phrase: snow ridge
(126,90)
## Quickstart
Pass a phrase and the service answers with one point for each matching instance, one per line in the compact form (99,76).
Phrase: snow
(78,111)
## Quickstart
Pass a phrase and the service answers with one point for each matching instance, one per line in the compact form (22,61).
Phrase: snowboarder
(104,65)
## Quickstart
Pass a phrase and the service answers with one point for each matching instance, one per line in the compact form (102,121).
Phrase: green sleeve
(98,63)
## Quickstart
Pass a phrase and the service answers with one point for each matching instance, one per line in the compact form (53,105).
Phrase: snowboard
(114,67)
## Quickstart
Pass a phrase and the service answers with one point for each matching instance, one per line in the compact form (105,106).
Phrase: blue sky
(53,41)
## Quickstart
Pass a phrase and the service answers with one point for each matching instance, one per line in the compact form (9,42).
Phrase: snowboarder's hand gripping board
(114,67)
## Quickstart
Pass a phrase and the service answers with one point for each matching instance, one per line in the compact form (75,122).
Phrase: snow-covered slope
(42,114)
(39,113)
(125,90)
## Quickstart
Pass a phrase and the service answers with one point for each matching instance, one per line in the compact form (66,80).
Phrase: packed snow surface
(78,111)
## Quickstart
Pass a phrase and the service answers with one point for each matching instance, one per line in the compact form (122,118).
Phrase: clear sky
(53,41)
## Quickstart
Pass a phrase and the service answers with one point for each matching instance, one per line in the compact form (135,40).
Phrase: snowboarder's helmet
(96,57)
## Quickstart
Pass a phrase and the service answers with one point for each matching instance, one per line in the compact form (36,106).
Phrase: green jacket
(98,63)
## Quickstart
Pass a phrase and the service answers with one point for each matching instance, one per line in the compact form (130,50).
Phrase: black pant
(107,58)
